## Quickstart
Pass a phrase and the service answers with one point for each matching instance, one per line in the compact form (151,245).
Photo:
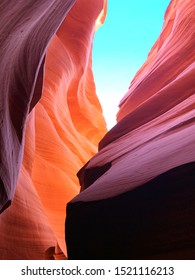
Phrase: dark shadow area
(153,221)
(88,176)
(4,201)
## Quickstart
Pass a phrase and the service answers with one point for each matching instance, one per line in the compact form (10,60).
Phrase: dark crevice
(88,176)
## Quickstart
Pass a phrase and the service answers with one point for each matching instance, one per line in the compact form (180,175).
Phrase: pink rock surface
(26,30)
(138,190)
(156,125)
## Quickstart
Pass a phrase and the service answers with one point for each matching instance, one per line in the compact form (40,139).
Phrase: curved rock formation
(140,202)
(45,52)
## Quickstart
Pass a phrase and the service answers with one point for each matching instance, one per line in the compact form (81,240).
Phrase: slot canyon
(69,187)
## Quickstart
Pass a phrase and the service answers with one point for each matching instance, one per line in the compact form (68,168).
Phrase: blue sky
(121,46)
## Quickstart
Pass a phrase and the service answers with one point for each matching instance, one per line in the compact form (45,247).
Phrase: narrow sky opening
(121,46)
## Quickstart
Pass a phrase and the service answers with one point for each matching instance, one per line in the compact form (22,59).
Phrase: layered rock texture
(50,119)
(135,198)
(139,189)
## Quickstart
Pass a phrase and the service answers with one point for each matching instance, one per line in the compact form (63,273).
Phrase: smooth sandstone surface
(137,192)
(152,147)
(156,121)
(50,119)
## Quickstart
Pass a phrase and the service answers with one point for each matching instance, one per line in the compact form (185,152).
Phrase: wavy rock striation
(45,53)
(138,198)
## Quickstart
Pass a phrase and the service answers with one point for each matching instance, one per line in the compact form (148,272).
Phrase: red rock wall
(152,147)
(61,132)
(156,116)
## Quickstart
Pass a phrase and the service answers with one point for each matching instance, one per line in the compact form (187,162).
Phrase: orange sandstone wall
(48,55)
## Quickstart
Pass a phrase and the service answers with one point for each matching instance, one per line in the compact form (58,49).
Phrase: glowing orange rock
(62,131)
